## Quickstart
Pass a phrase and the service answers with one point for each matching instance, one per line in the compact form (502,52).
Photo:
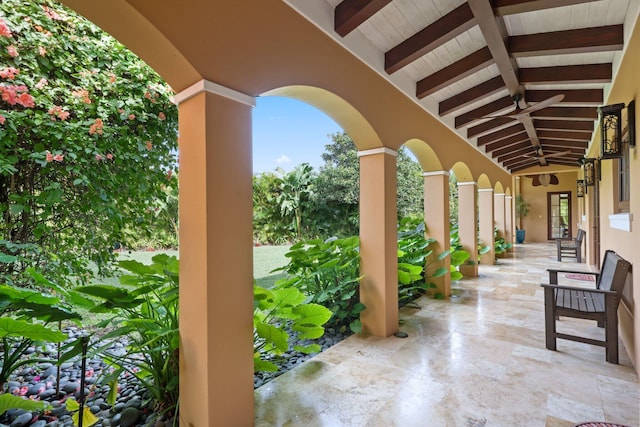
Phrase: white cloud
(283,159)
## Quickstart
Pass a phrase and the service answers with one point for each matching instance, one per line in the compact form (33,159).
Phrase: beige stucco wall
(627,243)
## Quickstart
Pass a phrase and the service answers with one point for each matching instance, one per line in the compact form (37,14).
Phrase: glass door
(559,215)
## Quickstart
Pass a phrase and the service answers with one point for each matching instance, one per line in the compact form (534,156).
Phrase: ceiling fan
(519,112)
(538,153)
(545,179)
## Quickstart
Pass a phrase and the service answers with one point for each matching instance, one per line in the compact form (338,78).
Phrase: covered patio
(477,359)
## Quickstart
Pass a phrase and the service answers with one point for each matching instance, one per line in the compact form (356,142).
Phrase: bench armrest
(577,288)
(553,274)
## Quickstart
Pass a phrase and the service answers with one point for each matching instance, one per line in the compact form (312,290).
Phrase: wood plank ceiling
(481,59)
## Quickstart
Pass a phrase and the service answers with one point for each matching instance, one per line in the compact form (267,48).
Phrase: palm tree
(296,189)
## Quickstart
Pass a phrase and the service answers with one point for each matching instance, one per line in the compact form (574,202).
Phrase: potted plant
(522,210)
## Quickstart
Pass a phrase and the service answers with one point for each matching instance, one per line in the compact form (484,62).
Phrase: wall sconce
(611,129)
(589,171)
(581,188)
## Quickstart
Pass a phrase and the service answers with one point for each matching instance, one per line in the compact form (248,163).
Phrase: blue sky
(287,132)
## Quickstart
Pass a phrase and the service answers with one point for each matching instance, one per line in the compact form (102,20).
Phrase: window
(559,215)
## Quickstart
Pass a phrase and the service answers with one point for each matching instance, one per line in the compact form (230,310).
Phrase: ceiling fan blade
(558,154)
(542,104)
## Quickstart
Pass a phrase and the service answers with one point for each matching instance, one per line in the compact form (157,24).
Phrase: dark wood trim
(571,96)
(441,31)
(564,135)
(507,142)
(471,95)
(564,124)
(563,143)
(458,70)
(590,73)
(485,127)
(510,7)
(508,153)
(575,113)
(349,14)
(500,134)
(584,40)
(486,110)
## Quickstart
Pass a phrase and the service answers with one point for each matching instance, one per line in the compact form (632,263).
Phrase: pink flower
(42,83)
(49,156)
(98,157)
(96,127)
(16,95)
(13,52)
(112,78)
(109,156)
(26,100)
(2,119)
(58,157)
(149,145)
(132,116)
(147,95)
(161,115)
(169,174)
(4,29)
(9,73)
(82,93)
(51,13)
(57,111)
(42,50)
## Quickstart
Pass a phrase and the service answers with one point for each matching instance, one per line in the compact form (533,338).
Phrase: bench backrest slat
(613,274)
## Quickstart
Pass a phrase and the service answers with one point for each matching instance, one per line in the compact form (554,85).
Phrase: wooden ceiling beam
(578,125)
(526,152)
(589,73)
(487,126)
(500,134)
(510,7)
(583,137)
(574,113)
(521,161)
(520,167)
(485,110)
(424,41)
(518,149)
(471,95)
(563,143)
(349,14)
(571,96)
(458,70)
(521,137)
(583,40)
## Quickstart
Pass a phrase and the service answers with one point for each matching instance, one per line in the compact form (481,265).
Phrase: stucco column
(378,241)
(436,217)
(485,224)
(216,266)
(499,213)
(468,226)
(508,220)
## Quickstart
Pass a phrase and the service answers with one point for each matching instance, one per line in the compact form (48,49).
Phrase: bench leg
(549,318)
(611,331)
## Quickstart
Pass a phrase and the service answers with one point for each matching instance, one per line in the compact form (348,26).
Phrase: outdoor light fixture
(581,188)
(611,129)
(589,171)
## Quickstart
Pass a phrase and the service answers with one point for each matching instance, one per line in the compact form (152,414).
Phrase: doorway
(559,215)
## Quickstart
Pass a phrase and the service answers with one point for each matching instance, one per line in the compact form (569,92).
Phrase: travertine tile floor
(475,360)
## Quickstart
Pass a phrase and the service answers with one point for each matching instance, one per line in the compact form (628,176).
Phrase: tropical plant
(88,135)
(500,244)
(296,189)
(327,272)
(144,311)
(277,312)
(416,260)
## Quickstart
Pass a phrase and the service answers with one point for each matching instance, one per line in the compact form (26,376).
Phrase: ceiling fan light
(545,179)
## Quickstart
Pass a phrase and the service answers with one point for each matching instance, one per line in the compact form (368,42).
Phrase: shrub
(328,273)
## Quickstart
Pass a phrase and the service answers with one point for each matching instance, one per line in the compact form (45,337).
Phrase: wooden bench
(571,247)
(599,304)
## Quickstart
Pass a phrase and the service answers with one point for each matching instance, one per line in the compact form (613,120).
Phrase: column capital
(380,150)
(211,87)
(508,197)
(436,173)
(485,190)
(499,194)
(467,183)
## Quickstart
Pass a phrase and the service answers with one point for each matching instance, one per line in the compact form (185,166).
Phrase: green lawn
(265,259)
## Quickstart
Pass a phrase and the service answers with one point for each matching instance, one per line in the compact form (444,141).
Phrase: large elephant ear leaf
(32,331)
(9,401)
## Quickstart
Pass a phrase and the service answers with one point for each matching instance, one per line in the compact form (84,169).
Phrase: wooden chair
(600,304)
(571,247)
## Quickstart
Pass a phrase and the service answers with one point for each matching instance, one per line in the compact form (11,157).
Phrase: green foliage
(327,272)
(9,401)
(413,259)
(268,225)
(500,244)
(296,190)
(88,135)
(144,310)
(88,419)
(275,312)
